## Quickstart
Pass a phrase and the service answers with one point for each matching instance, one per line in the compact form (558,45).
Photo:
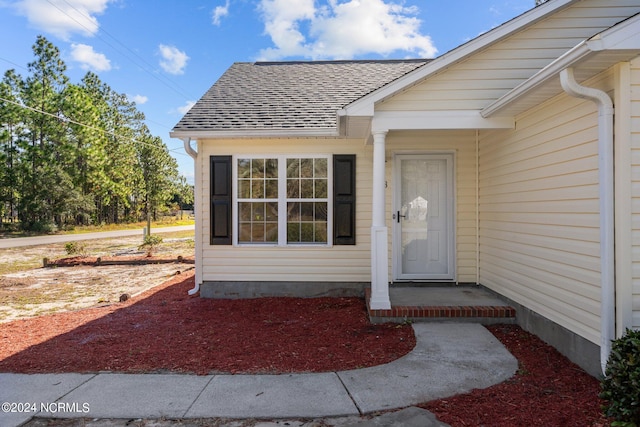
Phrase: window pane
(306,168)
(257,232)
(244,168)
(321,212)
(245,233)
(293,232)
(306,189)
(244,212)
(271,168)
(271,233)
(306,211)
(244,189)
(293,188)
(271,189)
(293,211)
(321,189)
(272,212)
(320,168)
(257,189)
(293,168)
(257,170)
(258,212)
(321,232)
(306,232)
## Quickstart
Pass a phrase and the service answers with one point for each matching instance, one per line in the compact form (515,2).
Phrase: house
(501,163)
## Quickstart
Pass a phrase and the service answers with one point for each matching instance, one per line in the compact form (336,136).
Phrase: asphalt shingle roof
(289,95)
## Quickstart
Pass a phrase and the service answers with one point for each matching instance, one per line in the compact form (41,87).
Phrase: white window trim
(282,200)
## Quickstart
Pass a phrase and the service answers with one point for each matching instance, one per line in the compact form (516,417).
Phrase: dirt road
(17,242)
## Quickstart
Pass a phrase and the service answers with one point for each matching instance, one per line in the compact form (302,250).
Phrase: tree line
(73,154)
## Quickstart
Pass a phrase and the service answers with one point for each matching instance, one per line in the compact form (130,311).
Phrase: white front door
(424,217)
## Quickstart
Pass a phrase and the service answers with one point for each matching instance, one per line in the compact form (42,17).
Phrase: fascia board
(421,120)
(239,134)
(365,106)
(623,36)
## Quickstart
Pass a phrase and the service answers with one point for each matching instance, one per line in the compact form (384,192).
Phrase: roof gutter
(606,179)
(196,212)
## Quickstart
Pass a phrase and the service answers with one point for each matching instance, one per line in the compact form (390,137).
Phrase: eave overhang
(619,43)
(254,133)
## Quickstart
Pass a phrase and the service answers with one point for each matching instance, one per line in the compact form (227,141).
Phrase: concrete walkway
(17,242)
(448,359)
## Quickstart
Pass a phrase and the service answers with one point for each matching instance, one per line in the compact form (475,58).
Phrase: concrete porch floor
(441,303)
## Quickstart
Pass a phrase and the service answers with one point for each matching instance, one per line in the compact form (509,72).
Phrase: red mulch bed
(166,330)
(548,390)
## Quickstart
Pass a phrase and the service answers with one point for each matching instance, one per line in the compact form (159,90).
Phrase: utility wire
(176,150)
(145,65)
(69,120)
(13,63)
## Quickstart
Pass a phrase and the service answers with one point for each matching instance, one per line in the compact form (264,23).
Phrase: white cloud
(138,99)
(219,12)
(173,60)
(88,58)
(342,30)
(186,107)
(63,17)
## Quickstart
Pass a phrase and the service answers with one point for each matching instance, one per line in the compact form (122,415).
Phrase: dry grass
(28,290)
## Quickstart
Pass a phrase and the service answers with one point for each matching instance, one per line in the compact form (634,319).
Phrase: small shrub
(150,244)
(40,226)
(621,384)
(75,248)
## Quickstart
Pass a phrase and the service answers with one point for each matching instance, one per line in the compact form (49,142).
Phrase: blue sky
(164,54)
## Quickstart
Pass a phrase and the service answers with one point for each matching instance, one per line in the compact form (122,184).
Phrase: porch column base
(379,270)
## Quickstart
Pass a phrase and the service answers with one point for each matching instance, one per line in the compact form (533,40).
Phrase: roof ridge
(344,61)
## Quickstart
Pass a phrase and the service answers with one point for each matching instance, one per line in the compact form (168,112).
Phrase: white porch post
(379,240)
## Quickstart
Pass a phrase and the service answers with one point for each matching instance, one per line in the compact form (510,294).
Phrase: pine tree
(46,142)
(11,130)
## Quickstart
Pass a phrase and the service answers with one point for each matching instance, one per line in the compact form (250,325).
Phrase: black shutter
(344,199)
(221,199)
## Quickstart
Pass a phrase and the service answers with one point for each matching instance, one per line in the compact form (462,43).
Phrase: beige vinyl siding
(293,263)
(539,213)
(635,189)
(462,144)
(476,82)
(341,263)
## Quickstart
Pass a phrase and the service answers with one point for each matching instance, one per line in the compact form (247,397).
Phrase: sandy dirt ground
(27,289)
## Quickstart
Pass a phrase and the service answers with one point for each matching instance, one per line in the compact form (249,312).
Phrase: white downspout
(606,177)
(196,212)
(477,207)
